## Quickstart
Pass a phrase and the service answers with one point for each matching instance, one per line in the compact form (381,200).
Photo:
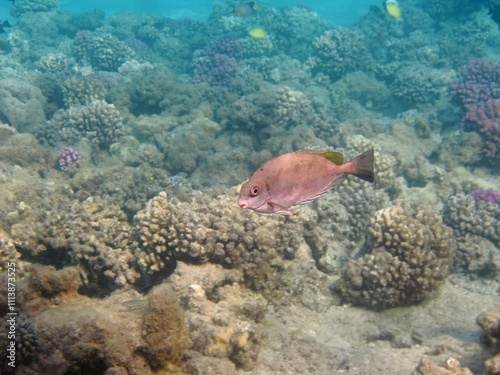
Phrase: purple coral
(477,91)
(217,64)
(486,195)
(68,158)
(478,82)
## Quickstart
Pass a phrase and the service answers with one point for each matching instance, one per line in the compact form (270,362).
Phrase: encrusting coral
(411,254)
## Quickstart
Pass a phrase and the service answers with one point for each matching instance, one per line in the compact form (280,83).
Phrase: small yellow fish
(300,177)
(392,8)
(257,33)
(245,9)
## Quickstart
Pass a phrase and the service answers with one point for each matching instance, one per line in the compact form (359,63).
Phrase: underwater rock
(23,150)
(21,105)
(163,328)
(451,367)
(94,336)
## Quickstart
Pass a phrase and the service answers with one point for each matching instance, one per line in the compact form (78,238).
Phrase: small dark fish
(245,9)
(3,25)
(300,177)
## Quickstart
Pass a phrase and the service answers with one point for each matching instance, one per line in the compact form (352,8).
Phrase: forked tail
(362,166)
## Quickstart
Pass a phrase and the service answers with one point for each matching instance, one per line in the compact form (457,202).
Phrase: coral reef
(251,47)
(26,341)
(417,84)
(338,52)
(210,228)
(94,336)
(217,64)
(98,122)
(82,90)
(94,235)
(343,218)
(467,215)
(103,51)
(26,6)
(54,63)
(490,324)
(477,90)
(68,159)
(222,318)
(486,195)
(476,225)
(21,105)
(410,254)
(163,328)
(451,367)
(293,107)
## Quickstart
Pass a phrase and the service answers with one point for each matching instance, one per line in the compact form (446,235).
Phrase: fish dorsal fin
(334,156)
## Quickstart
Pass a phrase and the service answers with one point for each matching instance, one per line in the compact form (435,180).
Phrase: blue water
(339,12)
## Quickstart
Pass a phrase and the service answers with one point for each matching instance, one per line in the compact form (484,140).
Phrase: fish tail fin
(362,166)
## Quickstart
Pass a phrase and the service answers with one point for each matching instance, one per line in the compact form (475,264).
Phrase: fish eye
(254,191)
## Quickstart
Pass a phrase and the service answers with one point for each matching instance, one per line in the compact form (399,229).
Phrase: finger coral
(210,229)
(411,253)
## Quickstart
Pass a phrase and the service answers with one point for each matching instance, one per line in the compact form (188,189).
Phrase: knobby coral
(98,122)
(210,228)
(411,253)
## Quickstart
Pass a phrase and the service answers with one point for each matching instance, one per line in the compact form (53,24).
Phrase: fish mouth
(242,204)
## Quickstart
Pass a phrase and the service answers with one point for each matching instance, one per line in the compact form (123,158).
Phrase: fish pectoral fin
(279,209)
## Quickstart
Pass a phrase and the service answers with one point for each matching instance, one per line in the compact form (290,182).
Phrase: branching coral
(411,253)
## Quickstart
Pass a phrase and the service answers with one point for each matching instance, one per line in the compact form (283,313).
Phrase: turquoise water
(340,12)
(221,188)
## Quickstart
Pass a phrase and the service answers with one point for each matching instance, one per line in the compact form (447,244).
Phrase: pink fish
(300,177)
